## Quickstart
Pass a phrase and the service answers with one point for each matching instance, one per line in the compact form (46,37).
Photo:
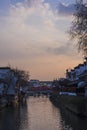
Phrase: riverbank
(11,101)
(76,104)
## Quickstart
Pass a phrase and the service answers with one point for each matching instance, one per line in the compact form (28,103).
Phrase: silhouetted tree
(23,76)
(79,26)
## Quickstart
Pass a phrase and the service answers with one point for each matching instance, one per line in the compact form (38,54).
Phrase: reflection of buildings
(72,122)
(14,118)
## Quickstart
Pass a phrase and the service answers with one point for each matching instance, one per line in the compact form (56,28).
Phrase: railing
(39,92)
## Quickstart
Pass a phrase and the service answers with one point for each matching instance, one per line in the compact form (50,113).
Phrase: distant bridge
(39,92)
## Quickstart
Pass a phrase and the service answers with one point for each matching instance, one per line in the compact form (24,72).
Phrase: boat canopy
(82,84)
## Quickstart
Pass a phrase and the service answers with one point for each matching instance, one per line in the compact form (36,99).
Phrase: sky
(34,37)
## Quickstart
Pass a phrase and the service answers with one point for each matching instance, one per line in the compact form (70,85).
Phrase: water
(38,113)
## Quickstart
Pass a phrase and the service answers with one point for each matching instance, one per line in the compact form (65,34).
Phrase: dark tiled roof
(4,67)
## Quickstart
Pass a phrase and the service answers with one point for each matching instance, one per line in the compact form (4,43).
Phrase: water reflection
(13,118)
(72,122)
(40,114)
(43,115)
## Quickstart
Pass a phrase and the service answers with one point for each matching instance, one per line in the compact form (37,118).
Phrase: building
(8,82)
(78,76)
(76,72)
(34,83)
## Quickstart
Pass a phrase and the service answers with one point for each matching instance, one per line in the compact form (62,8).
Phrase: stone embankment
(76,104)
(11,101)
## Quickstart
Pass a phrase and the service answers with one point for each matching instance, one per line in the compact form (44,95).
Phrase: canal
(38,113)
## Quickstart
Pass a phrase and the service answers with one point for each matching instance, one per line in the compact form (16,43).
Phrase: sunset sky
(33,37)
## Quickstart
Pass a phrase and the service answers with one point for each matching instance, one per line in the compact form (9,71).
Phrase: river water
(38,113)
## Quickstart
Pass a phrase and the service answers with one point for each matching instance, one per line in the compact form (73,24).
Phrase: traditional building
(8,82)
(78,77)
(77,72)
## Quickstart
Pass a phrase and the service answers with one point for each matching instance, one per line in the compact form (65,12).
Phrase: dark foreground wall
(76,104)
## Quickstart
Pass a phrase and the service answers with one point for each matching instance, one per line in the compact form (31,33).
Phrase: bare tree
(23,76)
(78,29)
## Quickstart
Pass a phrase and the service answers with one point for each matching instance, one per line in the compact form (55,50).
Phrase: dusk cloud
(66,9)
(34,33)
(64,50)
(33,27)
(27,27)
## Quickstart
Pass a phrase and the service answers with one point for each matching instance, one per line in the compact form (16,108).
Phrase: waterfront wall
(11,100)
(76,104)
